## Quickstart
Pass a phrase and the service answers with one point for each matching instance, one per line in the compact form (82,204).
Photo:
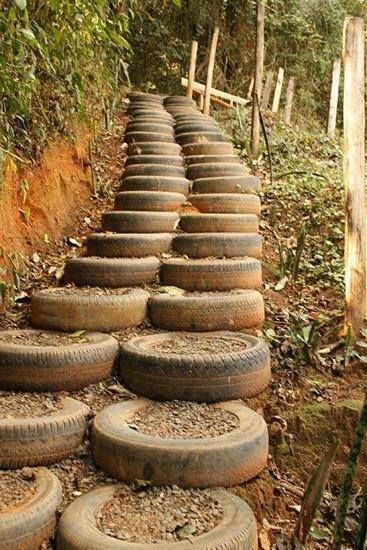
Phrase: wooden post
(334,95)
(192,68)
(251,87)
(267,90)
(259,69)
(354,174)
(289,100)
(278,90)
(209,77)
(201,102)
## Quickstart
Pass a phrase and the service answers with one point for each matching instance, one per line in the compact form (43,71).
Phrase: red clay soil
(57,186)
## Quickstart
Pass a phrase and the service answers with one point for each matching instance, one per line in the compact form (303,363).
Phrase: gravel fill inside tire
(150,201)
(124,245)
(56,368)
(156,183)
(227,203)
(42,440)
(111,272)
(218,223)
(227,184)
(236,374)
(77,528)
(208,275)
(237,310)
(34,523)
(218,245)
(140,222)
(223,461)
(105,313)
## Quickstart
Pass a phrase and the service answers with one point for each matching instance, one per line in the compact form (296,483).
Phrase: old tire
(140,126)
(205,159)
(208,275)
(78,531)
(156,183)
(140,222)
(56,368)
(227,184)
(223,461)
(236,310)
(218,223)
(150,201)
(216,169)
(168,160)
(221,148)
(33,524)
(125,245)
(195,126)
(151,148)
(199,137)
(111,272)
(220,245)
(138,137)
(204,377)
(42,440)
(227,203)
(154,170)
(100,312)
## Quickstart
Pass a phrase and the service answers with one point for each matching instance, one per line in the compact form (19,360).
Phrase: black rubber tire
(99,312)
(158,118)
(111,272)
(148,111)
(151,201)
(154,170)
(205,159)
(77,528)
(221,148)
(134,95)
(156,183)
(219,223)
(151,148)
(137,126)
(140,222)
(201,377)
(178,100)
(197,115)
(227,184)
(123,245)
(56,368)
(138,137)
(216,169)
(223,461)
(236,310)
(200,126)
(199,137)
(42,440)
(227,203)
(33,524)
(219,245)
(167,160)
(208,275)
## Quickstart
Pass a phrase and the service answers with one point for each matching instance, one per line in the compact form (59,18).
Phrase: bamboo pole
(289,100)
(209,77)
(259,69)
(192,68)
(267,90)
(278,90)
(334,95)
(354,174)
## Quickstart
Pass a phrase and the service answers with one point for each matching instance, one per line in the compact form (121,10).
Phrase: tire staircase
(210,295)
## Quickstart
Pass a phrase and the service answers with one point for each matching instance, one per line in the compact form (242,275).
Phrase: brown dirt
(16,489)
(39,338)
(201,345)
(183,420)
(144,514)
(24,405)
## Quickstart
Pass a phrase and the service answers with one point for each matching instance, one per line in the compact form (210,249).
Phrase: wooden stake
(334,95)
(354,174)
(278,90)
(250,88)
(259,69)
(289,100)
(267,90)
(192,68)
(209,77)
(201,102)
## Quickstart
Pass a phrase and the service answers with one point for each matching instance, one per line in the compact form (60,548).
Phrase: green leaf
(177,3)
(28,33)
(21,4)
(77,333)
